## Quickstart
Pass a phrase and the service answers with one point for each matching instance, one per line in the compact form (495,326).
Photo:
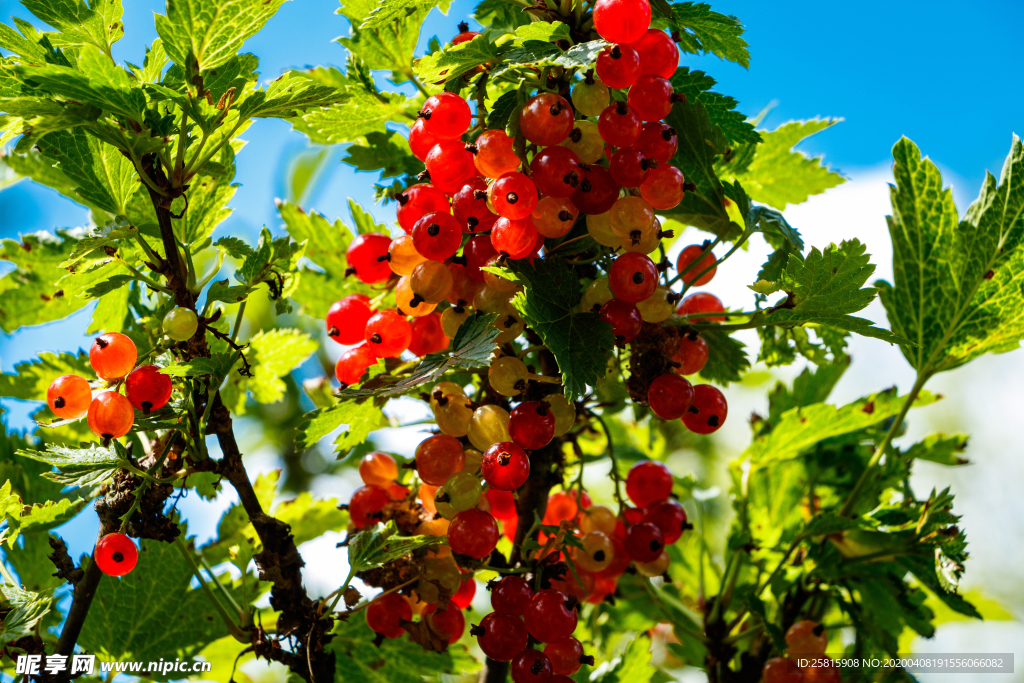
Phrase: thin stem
(611,456)
(233,628)
(243,614)
(193,168)
(154,257)
(341,591)
(562,244)
(693,264)
(238,321)
(544,378)
(177,176)
(142,278)
(739,243)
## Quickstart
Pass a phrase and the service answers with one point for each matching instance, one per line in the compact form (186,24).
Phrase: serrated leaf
(360,418)
(27,611)
(364,112)
(273,354)
(378,545)
(211,31)
(812,385)
(702,30)
(289,95)
(455,60)
(939,448)
(394,661)
(501,110)
(545,31)
(721,109)
(103,177)
(727,360)
(31,378)
(80,467)
(580,342)
(235,247)
(310,518)
(98,23)
(387,152)
(634,665)
(207,207)
(773,224)
(387,12)
(363,221)
(216,366)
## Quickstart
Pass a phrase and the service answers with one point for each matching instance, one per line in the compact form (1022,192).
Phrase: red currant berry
(531,425)
(69,397)
(385,614)
(620,560)
(597,192)
(781,670)
(446,116)
(110,415)
(708,412)
(513,195)
(366,505)
(823,670)
(147,388)
(618,66)
(648,481)
(663,188)
(437,236)
(511,595)
(692,355)
(561,507)
(388,334)
(658,53)
(549,617)
(367,256)
(501,636)
(619,125)
(651,97)
(702,302)
(464,287)
(515,239)
(448,623)
(670,396)
(556,171)
(465,35)
(566,656)
(633,277)
(503,504)
(624,318)
(495,155)
(505,466)
(657,141)
(439,457)
(112,355)
(547,119)
(629,167)
(477,252)
(558,678)
(353,363)
(378,469)
(470,207)
(644,542)
(346,319)
(622,21)
(473,533)
(806,637)
(554,217)
(418,201)
(450,165)
(115,554)
(669,516)
(691,254)
(531,666)
(467,590)
(421,141)
(427,335)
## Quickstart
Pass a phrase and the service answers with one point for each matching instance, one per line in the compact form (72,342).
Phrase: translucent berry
(622,21)
(657,141)
(806,638)
(708,412)
(619,125)
(408,302)
(446,116)
(69,397)
(531,425)
(553,217)
(566,656)
(449,623)
(620,561)
(556,171)
(563,411)
(505,466)
(514,195)
(663,187)
(547,119)
(367,257)
(624,318)
(585,141)
(629,167)
(597,193)
(378,469)
(431,281)
(353,363)
(421,141)
(702,302)
(600,229)
(402,255)
(501,636)
(658,307)
(418,201)
(388,334)
(658,53)
(503,504)
(561,506)
(531,666)
(648,482)
(461,492)
(477,251)
(364,509)
(655,567)
(115,554)
(549,617)
(618,67)
(494,154)
(590,96)
(514,239)
(428,335)
(450,165)
(112,355)
(488,426)
(651,97)
(464,287)
(644,542)
(346,319)
(385,614)
(597,552)
(437,236)
(467,590)
(110,415)
(439,457)
(822,670)
(511,595)
(147,388)
(670,396)
(669,516)
(470,207)
(473,533)
(692,355)
(781,670)
(633,277)
(693,253)
(632,219)
(598,518)
(180,324)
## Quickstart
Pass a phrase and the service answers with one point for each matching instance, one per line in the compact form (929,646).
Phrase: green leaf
(939,448)
(388,12)
(801,428)
(812,385)
(455,60)
(721,109)
(545,31)
(363,220)
(365,111)
(775,227)
(580,342)
(360,418)
(235,247)
(97,24)
(102,176)
(216,366)
(211,31)
(727,360)
(378,545)
(310,518)
(634,666)
(702,30)
(289,95)
(273,354)
(35,166)
(389,45)
(31,378)
(207,207)
(502,109)
(957,291)
(80,467)
(27,610)
(326,243)
(387,152)
(393,661)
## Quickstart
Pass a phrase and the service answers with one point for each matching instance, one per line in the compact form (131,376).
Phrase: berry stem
(233,628)
(611,455)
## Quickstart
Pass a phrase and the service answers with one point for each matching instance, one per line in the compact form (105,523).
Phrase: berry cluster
(807,640)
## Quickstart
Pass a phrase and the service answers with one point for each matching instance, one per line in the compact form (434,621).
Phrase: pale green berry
(180,324)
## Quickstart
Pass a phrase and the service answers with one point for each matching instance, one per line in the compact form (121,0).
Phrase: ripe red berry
(501,636)
(421,141)
(495,155)
(629,167)
(554,217)
(473,533)
(439,457)
(562,506)
(503,504)
(505,466)
(658,53)
(353,363)
(417,201)
(513,195)
(531,666)
(428,335)
(367,256)
(547,119)
(115,554)
(566,656)
(385,614)
(622,21)
(437,236)
(446,116)
(112,355)
(110,415)
(644,542)
(511,595)
(618,66)
(378,469)
(708,412)
(597,192)
(806,637)
(663,187)
(620,560)
(702,302)
(450,165)
(556,171)
(69,397)
(449,622)
(346,319)
(691,254)
(651,97)
(624,318)
(823,670)
(147,388)
(515,239)
(657,141)
(467,590)
(669,516)
(366,504)
(531,425)
(549,617)
(781,670)
(470,206)
(388,334)
(692,355)
(633,277)
(648,481)
(619,125)
(465,35)
(478,251)
(670,396)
